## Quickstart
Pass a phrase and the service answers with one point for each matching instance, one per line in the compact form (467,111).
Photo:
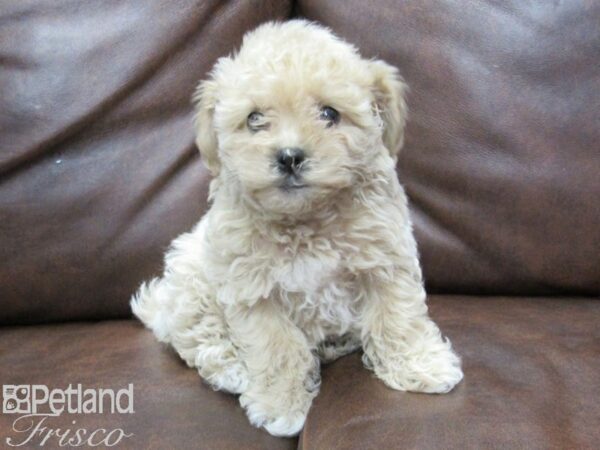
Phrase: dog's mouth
(286,187)
(293,183)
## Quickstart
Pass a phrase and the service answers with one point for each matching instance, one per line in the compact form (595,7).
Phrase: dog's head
(297,115)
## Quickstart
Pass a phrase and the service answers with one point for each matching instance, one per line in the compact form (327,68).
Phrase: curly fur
(271,281)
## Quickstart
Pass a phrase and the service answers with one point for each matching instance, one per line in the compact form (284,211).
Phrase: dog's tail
(148,304)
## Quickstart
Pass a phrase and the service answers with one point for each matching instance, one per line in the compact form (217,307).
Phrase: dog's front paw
(280,405)
(433,372)
(280,415)
(286,426)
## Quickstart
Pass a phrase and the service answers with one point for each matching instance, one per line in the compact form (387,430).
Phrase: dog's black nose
(289,160)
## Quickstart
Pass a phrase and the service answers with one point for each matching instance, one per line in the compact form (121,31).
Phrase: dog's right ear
(205,99)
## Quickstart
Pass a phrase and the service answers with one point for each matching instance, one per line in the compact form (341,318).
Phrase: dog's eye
(330,115)
(256,121)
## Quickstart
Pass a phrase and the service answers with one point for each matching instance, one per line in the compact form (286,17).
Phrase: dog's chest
(304,260)
(306,270)
(316,290)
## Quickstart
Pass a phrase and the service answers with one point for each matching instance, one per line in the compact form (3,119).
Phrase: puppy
(307,251)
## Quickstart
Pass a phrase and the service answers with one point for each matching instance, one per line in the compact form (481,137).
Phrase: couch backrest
(502,155)
(98,167)
(98,170)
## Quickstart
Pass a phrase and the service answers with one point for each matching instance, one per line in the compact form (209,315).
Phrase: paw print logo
(16,399)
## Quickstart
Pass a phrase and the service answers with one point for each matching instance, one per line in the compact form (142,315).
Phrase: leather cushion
(531,381)
(173,409)
(98,170)
(502,157)
(98,166)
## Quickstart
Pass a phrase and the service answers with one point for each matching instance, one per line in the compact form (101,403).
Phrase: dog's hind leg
(184,315)
(217,358)
(180,308)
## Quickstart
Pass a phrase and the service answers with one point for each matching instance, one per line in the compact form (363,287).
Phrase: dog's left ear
(205,100)
(389,90)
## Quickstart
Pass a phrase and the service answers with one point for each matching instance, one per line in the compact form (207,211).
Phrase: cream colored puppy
(307,251)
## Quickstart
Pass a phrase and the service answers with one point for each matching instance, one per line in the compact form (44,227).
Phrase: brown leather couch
(98,172)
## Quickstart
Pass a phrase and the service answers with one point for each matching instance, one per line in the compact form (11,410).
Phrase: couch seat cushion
(532,380)
(173,409)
